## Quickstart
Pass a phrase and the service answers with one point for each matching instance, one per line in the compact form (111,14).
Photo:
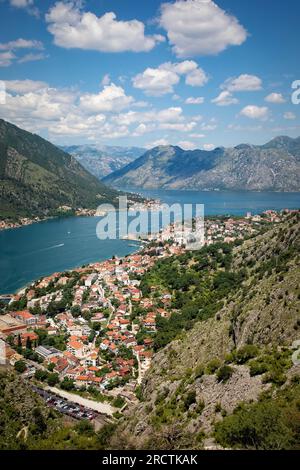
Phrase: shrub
(20,366)
(84,427)
(257,367)
(118,402)
(218,408)
(212,366)
(199,371)
(67,384)
(224,373)
(245,353)
(255,426)
(200,406)
(189,399)
(52,379)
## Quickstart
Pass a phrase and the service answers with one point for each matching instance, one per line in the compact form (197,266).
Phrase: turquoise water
(37,250)
(228,202)
(28,253)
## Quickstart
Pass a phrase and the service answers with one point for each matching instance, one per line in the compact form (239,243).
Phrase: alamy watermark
(182,223)
(296,353)
(296,93)
(2,92)
(2,352)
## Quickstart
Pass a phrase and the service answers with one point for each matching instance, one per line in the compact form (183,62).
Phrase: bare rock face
(241,387)
(274,166)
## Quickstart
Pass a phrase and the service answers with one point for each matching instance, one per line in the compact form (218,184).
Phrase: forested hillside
(36,178)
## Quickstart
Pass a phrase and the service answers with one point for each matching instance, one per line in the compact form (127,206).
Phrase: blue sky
(194,73)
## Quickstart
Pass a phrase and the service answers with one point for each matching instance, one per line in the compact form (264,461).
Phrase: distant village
(63,211)
(90,330)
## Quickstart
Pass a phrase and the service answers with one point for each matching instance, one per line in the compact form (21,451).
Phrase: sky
(193,73)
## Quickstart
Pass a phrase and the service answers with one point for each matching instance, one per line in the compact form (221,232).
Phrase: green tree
(52,379)
(20,366)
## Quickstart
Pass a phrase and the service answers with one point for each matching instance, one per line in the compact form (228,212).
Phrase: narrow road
(104,408)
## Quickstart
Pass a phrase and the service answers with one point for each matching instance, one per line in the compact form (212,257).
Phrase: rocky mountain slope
(101,161)
(274,166)
(36,177)
(223,377)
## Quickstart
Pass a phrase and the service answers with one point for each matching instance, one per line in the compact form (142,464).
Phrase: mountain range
(36,177)
(274,166)
(100,161)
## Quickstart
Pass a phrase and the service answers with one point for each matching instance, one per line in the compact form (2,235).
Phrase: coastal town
(141,204)
(87,334)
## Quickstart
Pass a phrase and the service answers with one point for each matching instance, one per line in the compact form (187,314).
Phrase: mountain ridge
(274,166)
(36,177)
(102,160)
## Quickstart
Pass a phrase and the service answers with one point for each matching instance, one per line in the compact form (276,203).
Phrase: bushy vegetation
(26,423)
(224,373)
(274,363)
(198,282)
(270,424)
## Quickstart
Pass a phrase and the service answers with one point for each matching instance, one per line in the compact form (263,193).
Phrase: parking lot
(65,406)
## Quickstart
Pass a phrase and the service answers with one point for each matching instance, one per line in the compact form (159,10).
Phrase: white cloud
(26,4)
(275,98)
(225,98)
(111,98)
(197,136)
(166,115)
(157,143)
(239,128)
(208,127)
(105,80)
(24,86)
(21,3)
(156,82)
(289,116)
(73,124)
(67,115)
(192,100)
(178,126)
(31,57)
(209,147)
(168,119)
(161,80)
(187,145)
(37,107)
(173,114)
(21,44)
(142,129)
(182,68)
(200,27)
(196,78)
(255,112)
(73,28)
(244,82)
(6,58)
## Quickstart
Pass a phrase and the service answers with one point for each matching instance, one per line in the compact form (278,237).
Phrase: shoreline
(129,238)
(20,290)
(147,204)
